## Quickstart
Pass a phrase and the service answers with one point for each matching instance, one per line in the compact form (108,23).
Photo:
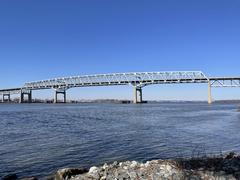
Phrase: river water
(38,139)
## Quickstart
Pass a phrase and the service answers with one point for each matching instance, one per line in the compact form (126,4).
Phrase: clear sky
(44,39)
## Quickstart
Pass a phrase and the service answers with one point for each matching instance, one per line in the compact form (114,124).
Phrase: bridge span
(137,80)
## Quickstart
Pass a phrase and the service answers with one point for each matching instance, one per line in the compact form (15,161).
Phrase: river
(38,139)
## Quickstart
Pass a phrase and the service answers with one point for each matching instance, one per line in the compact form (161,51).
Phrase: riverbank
(219,167)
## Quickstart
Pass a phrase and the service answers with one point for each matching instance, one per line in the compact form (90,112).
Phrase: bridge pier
(63,92)
(23,93)
(209,93)
(137,95)
(8,98)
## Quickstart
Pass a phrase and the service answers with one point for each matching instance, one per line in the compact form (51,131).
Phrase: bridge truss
(137,79)
(225,82)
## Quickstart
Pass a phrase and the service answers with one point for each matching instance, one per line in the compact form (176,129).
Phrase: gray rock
(29,178)
(67,173)
(94,172)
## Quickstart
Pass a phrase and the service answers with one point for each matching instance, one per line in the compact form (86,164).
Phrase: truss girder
(225,83)
(135,78)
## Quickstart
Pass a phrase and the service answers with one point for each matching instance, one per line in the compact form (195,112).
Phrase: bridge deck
(139,79)
(10,91)
(224,78)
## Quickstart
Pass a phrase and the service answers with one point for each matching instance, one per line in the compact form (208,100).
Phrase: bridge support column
(23,93)
(30,97)
(137,95)
(63,92)
(8,98)
(209,93)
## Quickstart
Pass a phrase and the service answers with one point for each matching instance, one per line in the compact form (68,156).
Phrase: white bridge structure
(137,80)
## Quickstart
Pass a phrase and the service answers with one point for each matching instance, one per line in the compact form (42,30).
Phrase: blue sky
(44,39)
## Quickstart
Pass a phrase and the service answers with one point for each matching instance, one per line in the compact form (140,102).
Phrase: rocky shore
(225,167)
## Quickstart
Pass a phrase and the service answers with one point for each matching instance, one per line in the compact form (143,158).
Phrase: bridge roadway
(136,79)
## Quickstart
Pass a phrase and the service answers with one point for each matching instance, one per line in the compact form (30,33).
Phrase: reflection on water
(38,139)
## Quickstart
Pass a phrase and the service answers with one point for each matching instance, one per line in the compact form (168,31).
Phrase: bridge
(138,80)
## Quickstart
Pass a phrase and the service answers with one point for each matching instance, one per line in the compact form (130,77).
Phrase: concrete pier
(8,98)
(29,96)
(209,93)
(63,92)
(137,95)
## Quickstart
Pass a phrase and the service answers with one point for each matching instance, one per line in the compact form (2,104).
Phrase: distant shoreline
(118,101)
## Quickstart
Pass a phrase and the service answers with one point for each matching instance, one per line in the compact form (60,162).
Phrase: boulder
(67,173)
(29,178)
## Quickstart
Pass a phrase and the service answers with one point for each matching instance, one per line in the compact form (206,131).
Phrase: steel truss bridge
(136,79)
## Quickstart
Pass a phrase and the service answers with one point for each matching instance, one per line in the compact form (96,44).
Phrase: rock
(105,166)
(10,177)
(50,177)
(103,178)
(132,175)
(115,163)
(133,164)
(67,173)
(29,178)
(230,155)
(94,172)
(147,164)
